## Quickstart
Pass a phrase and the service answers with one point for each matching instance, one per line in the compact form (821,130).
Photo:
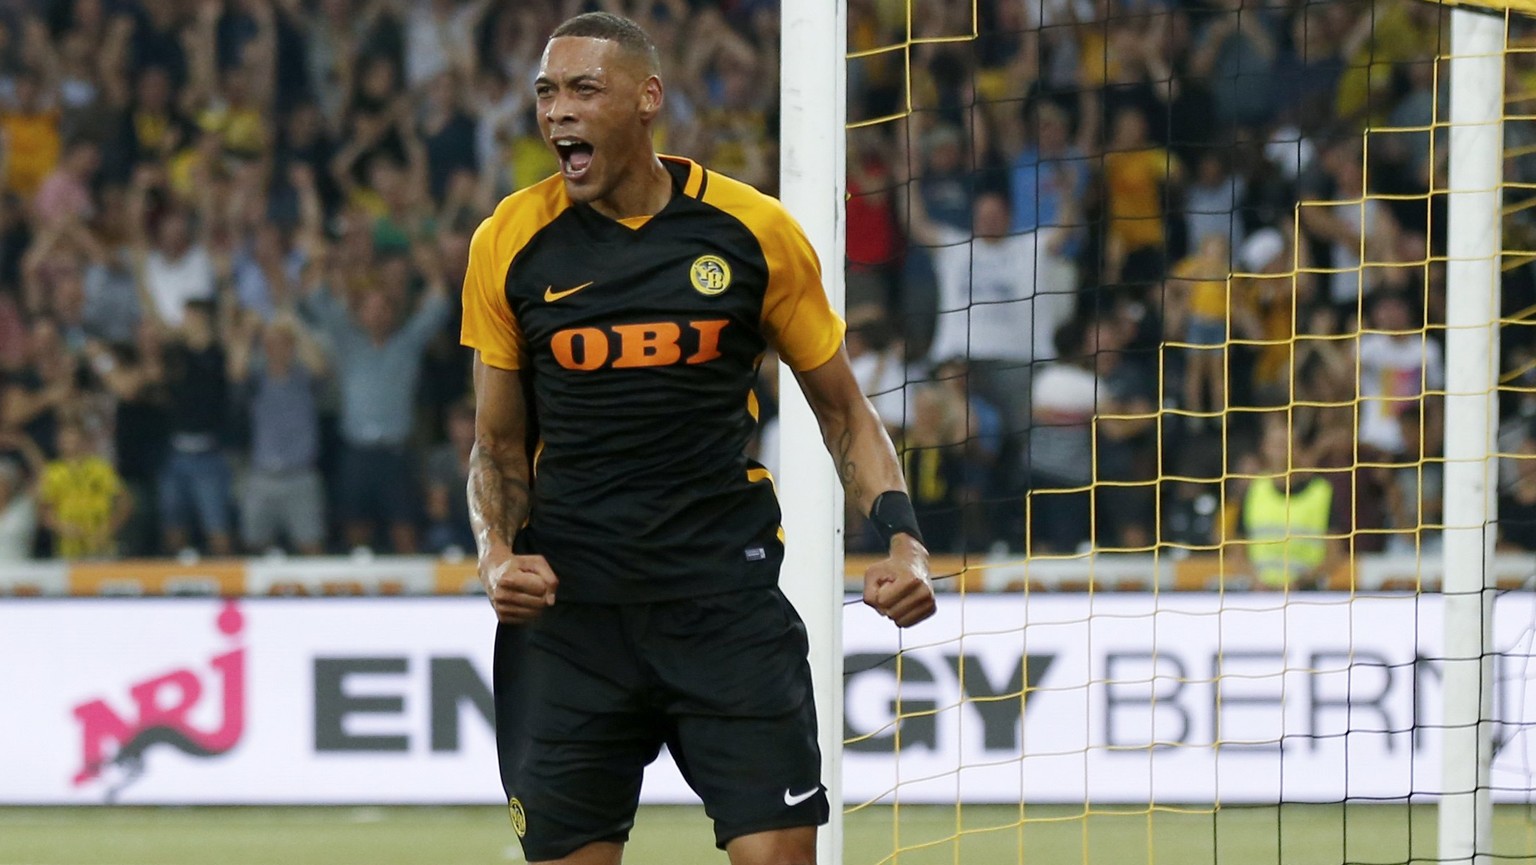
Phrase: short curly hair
(613,28)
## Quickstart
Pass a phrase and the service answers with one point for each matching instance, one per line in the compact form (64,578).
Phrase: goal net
(1204,334)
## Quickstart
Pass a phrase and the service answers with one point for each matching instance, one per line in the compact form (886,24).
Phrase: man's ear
(651,96)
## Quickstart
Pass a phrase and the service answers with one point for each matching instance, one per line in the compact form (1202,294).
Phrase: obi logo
(116,736)
(628,346)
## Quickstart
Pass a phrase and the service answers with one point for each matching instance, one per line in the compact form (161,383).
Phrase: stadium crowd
(232,233)
(231,238)
(1147,248)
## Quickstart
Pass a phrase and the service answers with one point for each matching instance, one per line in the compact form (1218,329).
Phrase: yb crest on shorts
(710,275)
(518,815)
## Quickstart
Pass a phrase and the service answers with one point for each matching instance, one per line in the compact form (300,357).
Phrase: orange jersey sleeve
(490,327)
(798,319)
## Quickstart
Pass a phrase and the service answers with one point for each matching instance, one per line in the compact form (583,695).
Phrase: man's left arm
(897,586)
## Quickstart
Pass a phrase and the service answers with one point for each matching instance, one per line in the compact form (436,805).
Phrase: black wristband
(892,515)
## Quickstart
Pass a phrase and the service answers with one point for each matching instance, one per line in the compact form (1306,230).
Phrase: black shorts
(588,694)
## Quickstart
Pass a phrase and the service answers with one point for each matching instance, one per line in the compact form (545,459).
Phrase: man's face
(277,342)
(71,443)
(989,216)
(376,315)
(594,105)
(174,234)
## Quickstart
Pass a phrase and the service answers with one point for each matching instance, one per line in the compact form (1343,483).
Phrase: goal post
(1473,264)
(812,113)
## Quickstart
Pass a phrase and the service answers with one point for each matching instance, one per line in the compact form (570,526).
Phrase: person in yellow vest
(1292,521)
(83,499)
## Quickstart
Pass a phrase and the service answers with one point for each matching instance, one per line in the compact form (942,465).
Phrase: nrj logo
(113,745)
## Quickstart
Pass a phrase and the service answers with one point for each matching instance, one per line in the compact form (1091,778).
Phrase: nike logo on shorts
(793,799)
(550,295)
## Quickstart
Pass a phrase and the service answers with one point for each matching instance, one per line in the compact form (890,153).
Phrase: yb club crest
(710,275)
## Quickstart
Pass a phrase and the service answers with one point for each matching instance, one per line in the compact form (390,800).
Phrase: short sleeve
(798,319)
(489,326)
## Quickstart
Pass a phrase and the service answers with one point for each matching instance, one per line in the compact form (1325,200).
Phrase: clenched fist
(520,587)
(897,586)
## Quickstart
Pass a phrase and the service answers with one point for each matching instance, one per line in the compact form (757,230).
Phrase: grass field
(1289,835)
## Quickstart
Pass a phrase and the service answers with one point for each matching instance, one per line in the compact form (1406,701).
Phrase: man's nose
(559,109)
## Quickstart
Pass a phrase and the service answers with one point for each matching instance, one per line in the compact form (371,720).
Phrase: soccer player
(630,549)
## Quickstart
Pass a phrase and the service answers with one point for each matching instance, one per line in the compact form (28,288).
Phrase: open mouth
(575,156)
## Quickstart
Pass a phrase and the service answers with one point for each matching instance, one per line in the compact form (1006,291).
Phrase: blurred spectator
(1400,366)
(82,499)
(29,130)
(1236,51)
(66,192)
(278,366)
(1323,402)
(18,500)
(448,134)
(946,182)
(874,237)
(931,456)
(1197,287)
(378,363)
(989,484)
(1517,498)
(1268,298)
(875,354)
(1337,214)
(134,376)
(1213,202)
(1089,408)
(437,33)
(1137,177)
(1000,297)
(36,398)
(447,475)
(1049,177)
(1415,491)
(177,268)
(1293,520)
(195,483)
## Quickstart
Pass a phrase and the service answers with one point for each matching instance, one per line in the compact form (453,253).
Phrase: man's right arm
(519,587)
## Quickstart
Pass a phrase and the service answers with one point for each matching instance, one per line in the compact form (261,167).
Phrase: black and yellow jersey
(641,340)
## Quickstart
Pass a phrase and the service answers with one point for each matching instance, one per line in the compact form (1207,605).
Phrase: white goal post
(813,99)
(1471,424)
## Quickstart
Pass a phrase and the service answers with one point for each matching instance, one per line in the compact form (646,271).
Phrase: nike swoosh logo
(550,295)
(793,799)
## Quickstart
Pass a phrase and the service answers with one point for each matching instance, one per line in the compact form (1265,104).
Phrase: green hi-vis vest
(1287,533)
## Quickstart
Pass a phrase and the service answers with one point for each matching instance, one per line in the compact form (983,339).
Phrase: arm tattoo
(499,497)
(847,471)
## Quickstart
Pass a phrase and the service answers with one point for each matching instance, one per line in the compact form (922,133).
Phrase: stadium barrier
(1119,698)
(424,575)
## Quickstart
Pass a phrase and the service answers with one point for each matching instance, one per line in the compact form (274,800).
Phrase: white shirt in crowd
(431,38)
(883,378)
(1394,371)
(1344,284)
(18,523)
(999,299)
(171,283)
(1063,402)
